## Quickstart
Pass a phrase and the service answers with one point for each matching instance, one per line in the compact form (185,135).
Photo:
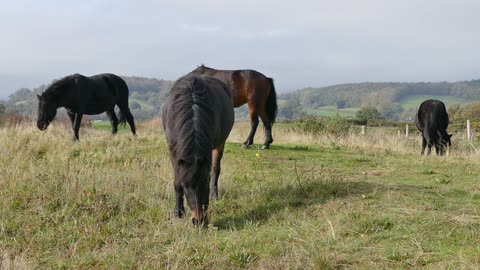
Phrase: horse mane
(193,115)
(203,67)
(58,85)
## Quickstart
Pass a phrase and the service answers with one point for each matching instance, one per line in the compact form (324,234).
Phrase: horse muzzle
(42,125)
(199,217)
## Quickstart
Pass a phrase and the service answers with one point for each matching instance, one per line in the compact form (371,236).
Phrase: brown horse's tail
(271,107)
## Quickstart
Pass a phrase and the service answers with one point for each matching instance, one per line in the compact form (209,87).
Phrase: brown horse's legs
(267,125)
(113,120)
(76,125)
(217,155)
(253,128)
(179,210)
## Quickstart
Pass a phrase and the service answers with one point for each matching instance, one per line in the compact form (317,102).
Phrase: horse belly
(98,107)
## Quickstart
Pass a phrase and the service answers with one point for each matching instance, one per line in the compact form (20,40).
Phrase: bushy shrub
(333,125)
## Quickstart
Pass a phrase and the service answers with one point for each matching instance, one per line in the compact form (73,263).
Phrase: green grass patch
(414,101)
(107,203)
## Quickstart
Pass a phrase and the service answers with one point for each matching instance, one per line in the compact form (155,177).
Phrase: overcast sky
(299,43)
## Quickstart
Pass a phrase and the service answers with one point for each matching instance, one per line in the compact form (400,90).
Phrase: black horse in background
(197,118)
(432,121)
(81,95)
(255,89)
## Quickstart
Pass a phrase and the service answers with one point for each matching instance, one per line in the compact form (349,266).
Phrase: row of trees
(385,97)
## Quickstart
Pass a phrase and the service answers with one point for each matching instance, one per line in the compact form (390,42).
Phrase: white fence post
(469,131)
(363,129)
(406,131)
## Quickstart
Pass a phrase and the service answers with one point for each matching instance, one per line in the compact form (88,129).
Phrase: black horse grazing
(86,95)
(197,118)
(252,87)
(432,121)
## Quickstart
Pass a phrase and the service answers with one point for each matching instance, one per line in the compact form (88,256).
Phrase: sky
(299,43)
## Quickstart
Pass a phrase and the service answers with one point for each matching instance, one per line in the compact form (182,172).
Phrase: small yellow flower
(257,155)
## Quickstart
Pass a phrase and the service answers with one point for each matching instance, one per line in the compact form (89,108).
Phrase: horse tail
(271,107)
(122,120)
(118,88)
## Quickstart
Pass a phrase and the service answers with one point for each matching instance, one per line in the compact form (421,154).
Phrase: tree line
(385,97)
(148,94)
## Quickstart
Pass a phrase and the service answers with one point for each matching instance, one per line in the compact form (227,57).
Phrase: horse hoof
(265,147)
(246,146)
(177,213)
(213,196)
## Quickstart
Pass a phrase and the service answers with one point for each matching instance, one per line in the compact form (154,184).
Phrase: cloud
(201,28)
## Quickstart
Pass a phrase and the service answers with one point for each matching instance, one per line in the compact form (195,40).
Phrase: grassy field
(353,202)
(414,101)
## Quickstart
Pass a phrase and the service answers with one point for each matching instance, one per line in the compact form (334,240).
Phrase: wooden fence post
(406,131)
(469,131)
(363,129)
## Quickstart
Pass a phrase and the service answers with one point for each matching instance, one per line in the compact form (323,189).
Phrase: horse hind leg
(128,115)
(424,145)
(113,120)
(253,128)
(267,126)
(217,155)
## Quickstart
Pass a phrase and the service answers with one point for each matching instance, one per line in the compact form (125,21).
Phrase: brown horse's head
(194,176)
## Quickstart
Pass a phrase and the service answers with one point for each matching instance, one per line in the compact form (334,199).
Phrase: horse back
(220,97)
(432,116)
(213,113)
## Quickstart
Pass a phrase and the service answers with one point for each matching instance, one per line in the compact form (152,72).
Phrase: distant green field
(414,101)
(332,110)
(281,101)
(142,103)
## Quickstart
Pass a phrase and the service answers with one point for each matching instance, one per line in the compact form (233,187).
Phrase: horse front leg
(179,210)
(217,155)
(253,128)
(76,125)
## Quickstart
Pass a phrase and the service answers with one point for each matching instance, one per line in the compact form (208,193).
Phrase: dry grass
(310,202)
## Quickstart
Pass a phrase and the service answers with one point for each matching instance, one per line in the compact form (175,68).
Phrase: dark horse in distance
(255,89)
(432,121)
(81,95)
(197,118)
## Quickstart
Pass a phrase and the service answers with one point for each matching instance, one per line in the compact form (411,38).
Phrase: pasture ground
(354,202)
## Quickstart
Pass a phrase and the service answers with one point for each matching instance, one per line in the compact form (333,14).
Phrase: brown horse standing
(252,87)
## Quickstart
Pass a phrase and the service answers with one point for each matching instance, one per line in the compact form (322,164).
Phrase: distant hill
(393,100)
